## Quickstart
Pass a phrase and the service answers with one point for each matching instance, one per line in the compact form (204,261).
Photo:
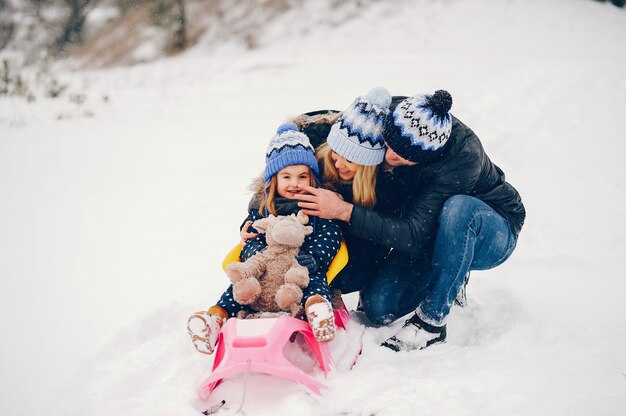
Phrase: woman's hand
(324,204)
(245,234)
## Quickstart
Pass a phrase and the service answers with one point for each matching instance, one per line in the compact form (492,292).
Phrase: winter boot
(204,328)
(461,297)
(416,335)
(319,313)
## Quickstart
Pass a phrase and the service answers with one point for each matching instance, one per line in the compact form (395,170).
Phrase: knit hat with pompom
(419,127)
(288,147)
(357,135)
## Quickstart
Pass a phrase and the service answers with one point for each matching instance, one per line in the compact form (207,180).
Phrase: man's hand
(324,204)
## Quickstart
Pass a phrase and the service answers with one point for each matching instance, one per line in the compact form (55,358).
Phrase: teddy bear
(272,280)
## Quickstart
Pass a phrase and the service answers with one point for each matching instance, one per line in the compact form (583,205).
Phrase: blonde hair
(268,195)
(363,183)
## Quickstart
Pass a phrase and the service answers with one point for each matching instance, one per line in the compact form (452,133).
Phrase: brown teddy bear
(272,280)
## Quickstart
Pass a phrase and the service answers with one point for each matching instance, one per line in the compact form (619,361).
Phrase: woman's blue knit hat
(420,126)
(358,134)
(288,147)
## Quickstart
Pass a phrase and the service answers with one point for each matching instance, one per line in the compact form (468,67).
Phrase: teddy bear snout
(288,233)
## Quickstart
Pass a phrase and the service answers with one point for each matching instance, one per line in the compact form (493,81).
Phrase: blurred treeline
(104,33)
(53,27)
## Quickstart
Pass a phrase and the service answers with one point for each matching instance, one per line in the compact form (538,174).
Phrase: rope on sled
(245,387)
(220,406)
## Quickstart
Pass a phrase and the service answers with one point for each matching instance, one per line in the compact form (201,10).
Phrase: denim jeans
(471,236)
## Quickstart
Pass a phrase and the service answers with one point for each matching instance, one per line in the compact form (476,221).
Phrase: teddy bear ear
(302,218)
(308,230)
(261,224)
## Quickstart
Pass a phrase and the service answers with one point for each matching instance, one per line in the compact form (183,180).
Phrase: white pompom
(379,97)
(285,127)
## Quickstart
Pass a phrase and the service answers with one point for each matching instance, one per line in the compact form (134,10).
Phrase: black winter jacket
(464,168)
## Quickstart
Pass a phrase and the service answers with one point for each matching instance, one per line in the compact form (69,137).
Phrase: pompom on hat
(418,129)
(357,135)
(288,147)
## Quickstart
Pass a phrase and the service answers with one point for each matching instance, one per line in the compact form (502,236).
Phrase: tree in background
(7,26)
(38,5)
(168,13)
(74,24)
(180,34)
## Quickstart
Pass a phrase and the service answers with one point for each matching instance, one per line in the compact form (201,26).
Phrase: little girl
(290,160)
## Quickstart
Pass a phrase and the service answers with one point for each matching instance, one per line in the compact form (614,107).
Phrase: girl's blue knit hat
(289,147)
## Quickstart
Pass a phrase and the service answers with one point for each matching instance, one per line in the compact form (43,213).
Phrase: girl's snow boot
(319,313)
(204,328)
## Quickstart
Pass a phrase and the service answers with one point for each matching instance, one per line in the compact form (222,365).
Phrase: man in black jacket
(457,213)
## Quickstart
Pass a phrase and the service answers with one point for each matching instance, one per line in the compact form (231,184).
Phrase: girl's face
(345,168)
(287,180)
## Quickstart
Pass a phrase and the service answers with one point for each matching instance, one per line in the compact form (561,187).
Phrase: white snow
(115,213)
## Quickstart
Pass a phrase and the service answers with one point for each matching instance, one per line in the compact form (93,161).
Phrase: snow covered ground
(115,214)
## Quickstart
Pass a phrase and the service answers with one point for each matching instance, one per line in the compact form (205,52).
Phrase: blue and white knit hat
(288,147)
(357,135)
(420,126)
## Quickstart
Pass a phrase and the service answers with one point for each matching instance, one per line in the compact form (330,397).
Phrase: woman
(354,146)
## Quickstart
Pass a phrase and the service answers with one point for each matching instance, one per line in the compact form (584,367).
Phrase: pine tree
(73,27)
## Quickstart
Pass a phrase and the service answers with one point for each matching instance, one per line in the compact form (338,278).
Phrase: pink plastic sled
(256,345)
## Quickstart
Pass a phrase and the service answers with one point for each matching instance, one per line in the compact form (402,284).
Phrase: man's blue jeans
(471,236)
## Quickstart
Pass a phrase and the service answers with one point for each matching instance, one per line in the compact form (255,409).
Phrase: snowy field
(115,214)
